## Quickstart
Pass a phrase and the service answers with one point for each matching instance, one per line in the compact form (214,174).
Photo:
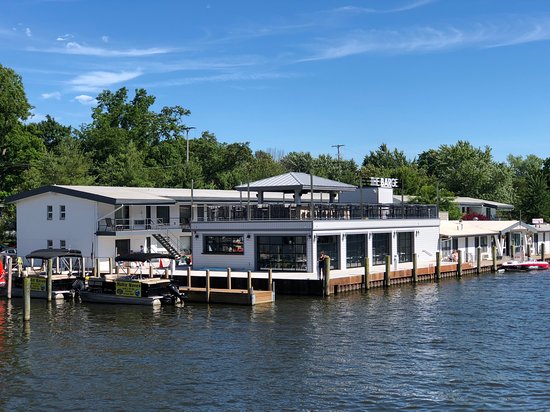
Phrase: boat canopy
(53,253)
(143,257)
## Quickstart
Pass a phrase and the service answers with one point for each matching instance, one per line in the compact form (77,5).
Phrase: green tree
(50,132)
(126,168)
(298,162)
(431,195)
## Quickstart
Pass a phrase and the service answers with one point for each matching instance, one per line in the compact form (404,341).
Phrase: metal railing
(109,225)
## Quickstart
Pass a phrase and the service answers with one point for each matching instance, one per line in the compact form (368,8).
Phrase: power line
(338,146)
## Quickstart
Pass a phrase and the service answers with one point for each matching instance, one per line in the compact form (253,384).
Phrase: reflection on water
(474,343)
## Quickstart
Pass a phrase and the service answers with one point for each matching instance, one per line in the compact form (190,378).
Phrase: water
(477,343)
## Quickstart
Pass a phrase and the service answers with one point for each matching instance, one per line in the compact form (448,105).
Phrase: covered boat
(515,265)
(133,287)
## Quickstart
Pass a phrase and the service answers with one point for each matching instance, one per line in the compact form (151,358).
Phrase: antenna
(338,146)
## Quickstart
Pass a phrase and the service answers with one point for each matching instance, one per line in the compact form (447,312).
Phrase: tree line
(127,143)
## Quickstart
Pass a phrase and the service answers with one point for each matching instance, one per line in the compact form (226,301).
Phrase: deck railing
(110,225)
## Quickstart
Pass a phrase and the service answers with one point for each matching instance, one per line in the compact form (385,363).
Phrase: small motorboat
(516,265)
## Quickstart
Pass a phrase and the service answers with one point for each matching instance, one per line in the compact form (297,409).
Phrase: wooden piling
(249,281)
(437,265)
(494,256)
(478,251)
(151,271)
(367,273)
(188,277)
(459,268)
(207,285)
(270,280)
(229,278)
(326,279)
(49,285)
(542,252)
(10,276)
(415,269)
(110,265)
(27,298)
(97,268)
(387,271)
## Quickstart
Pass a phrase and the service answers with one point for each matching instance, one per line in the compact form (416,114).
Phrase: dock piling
(415,269)
(542,252)
(438,265)
(188,277)
(326,278)
(367,273)
(207,285)
(27,298)
(387,271)
(10,276)
(459,269)
(49,287)
(229,278)
(270,280)
(478,257)
(249,280)
(494,253)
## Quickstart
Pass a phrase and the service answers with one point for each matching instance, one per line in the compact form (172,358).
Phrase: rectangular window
(62,212)
(356,247)
(50,244)
(483,243)
(285,253)
(62,244)
(330,245)
(405,246)
(381,247)
(163,215)
(224,245)
(49,212)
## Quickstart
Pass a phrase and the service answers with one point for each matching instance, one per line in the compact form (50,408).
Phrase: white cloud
(97,80)
(405,7)
(85,99)
(64,37)
(28,32)
(105,39)
(52,95)
(76,48)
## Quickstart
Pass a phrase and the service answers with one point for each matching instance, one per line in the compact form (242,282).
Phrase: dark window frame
(223,245)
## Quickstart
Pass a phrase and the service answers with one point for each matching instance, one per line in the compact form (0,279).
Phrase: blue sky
(299,75)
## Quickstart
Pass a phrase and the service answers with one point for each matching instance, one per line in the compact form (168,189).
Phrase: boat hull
(96,297)
(527,265)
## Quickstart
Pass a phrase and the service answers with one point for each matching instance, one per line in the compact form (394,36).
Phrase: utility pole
(187,142)
(338,146)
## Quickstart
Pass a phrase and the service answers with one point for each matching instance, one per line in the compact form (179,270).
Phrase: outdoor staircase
(167,244)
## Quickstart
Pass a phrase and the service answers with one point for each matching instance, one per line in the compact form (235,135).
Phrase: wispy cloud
(94,81)
(404,7)
(64,37)
(105,39)
(52,95)
(85,99)
(225,77)
(28,32)
(78,49)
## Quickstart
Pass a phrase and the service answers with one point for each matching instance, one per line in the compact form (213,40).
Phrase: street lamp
(187,142)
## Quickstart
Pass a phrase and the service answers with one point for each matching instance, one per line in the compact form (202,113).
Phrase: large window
(285,253)
(329,244)
(224,245)
(381,247)
(163,215)
(405,246)
(356,246)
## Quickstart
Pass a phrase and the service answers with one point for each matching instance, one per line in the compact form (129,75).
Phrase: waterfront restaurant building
(281,223)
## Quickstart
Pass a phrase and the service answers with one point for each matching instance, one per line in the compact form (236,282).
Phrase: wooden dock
(228,296)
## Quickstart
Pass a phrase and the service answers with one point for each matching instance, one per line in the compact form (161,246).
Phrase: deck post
(494,256)
(10,275)
(437,265)
(207,285)
(415,269)
(326,278)
(49,285)
(249,282)
(70,266)
(229,278)
(367,270)
(27,297)
(110,265)
(459,269)
(188,277)
(270,280)
(387,272)
(478,260)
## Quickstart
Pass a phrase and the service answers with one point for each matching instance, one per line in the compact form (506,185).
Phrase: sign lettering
(388,182)
(132,289)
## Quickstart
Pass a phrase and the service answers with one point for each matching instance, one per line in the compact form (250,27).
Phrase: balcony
(111,226)
(330,211)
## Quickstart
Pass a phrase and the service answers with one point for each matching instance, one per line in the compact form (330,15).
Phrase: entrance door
(122,247)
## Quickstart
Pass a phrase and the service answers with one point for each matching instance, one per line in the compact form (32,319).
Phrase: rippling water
(477,343)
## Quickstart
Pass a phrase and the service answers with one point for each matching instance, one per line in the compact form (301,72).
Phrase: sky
(291,75)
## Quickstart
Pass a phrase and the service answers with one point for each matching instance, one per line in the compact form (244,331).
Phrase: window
(330,245)
(381,247)
(62,244)
(163,215)
(224,245)
(50,244)
(483,243)
(49,213)
(405,246)
(62,212)
(286,253)
(356,246)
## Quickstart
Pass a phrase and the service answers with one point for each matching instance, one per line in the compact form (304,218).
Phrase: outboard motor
(174,291)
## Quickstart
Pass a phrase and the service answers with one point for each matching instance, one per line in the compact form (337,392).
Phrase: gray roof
(289,182)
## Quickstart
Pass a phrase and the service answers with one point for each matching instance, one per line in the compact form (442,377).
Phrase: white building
(270,224)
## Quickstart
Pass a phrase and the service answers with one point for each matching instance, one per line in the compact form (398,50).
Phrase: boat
(65,267)
(515,265)
(133,287)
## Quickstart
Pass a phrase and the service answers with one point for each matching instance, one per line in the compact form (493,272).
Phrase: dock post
(70,266)
(27,297)
(367,270)
(150,271)
(270,280)
(249,282)
(82,267)
(326,278)
(387,271)
(49,285)
(188,277)
(459,269)
(110,265)
(207,285)
(10,276)
(478,260)
(437,265)
(229,278)
(494,252)
(97,270)
(542,252)
(415,269)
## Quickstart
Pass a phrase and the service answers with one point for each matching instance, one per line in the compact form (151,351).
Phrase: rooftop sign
(383,182)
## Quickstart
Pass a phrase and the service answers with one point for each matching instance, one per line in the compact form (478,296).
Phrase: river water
(476,343)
